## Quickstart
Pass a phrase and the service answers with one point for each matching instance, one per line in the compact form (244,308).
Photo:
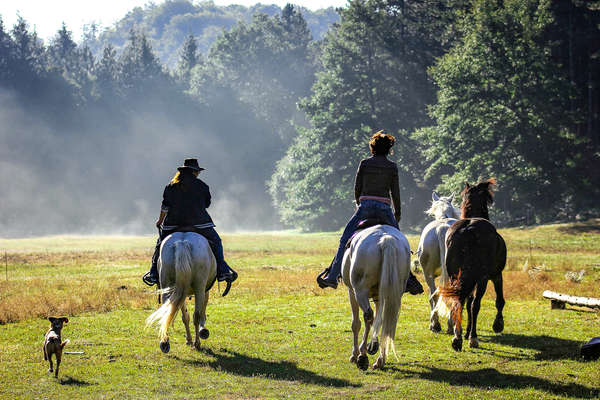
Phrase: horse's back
(475,240)
(202,258)
(364,256)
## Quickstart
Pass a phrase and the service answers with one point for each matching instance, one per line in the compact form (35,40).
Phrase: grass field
(277,335)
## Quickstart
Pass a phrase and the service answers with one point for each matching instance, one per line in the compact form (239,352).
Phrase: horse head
(477,198)
(441,207)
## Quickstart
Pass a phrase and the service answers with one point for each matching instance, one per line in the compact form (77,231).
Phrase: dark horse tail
(467,243)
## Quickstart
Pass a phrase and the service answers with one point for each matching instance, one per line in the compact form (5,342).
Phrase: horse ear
(467,186)
(65,319)
(51,319)
(434,196)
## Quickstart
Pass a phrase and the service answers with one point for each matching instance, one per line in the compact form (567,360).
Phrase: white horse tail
(176,294)
(390,293)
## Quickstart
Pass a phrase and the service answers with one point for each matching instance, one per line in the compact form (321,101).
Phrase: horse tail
(390,292)
(448,304)
(176,294)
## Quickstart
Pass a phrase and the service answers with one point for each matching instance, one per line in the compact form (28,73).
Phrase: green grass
(277,335)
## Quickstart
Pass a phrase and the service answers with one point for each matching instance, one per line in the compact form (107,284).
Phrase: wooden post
(558,300)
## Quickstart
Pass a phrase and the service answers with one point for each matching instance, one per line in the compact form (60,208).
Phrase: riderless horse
(186,267)
(376,266)
(475,253)
(432,250)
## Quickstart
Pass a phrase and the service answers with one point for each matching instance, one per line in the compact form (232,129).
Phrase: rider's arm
(164,207)
(161,218)
(395,192)
(358,184)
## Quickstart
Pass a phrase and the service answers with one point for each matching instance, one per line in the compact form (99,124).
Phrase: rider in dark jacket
(376,181)
(185,200)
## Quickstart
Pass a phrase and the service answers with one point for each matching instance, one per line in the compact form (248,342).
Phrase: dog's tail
(63,344)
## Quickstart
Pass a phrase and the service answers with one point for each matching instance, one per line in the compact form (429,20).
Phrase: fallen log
(558,300)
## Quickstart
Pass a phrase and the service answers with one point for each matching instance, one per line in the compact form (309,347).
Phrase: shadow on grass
(244,365)
(490,378)
(591,226)
(548,347)
(70,381)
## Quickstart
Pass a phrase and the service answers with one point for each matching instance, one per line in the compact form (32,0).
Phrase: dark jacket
(186,202)
(378,176)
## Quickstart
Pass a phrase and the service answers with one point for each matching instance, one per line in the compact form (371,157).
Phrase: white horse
(432,250)
(376,265)
(186,267)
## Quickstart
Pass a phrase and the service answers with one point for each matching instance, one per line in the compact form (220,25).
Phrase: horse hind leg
(434,322)
(499,321)
(362,298)
(476,305)
(355,325)
(185,318)
(201,300)
(469,304)
(373,345)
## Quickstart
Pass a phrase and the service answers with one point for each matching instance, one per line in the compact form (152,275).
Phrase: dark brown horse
(475,254)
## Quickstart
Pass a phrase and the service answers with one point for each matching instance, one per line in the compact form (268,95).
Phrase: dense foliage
(505,107)
(169,23)
(99,137)
(279,112)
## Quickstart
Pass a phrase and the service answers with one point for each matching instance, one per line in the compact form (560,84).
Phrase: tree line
(470,88)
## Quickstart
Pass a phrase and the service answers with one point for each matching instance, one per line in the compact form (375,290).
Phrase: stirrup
(146,279)
(231,277)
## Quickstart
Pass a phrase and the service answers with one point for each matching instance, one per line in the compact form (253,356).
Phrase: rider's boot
(413,286)
(151,278)
(226,273)
(329,276)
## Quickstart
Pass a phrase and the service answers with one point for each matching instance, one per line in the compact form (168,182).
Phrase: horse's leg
(434,323)
(362,297)
(185,317)
(479,292)
(355,325)
(468,307)
(200,298)
(373,345)
(499,321)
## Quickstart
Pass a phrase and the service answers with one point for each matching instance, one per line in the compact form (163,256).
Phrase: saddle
(364,224)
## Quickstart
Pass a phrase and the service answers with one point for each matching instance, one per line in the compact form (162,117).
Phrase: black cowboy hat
(190,163)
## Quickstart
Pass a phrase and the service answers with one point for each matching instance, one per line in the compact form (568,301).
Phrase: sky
(47,16)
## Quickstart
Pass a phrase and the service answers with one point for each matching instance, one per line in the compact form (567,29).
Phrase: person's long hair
(180,177)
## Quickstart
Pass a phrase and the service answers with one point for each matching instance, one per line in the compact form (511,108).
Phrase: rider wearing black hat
(185,200)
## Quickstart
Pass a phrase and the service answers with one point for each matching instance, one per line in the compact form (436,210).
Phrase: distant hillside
(169,23)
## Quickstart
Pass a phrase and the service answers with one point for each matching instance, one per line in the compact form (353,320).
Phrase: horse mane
(477,198)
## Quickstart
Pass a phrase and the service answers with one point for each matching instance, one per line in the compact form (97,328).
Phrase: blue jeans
(367,209)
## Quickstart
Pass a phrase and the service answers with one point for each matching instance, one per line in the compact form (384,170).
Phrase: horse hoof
(498,325)
(473,343)
(204,333)
(197,345)
(165,346)
(435,327)
(353,359)
(363,362)
(457,343)
(372,347)
(378,364)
